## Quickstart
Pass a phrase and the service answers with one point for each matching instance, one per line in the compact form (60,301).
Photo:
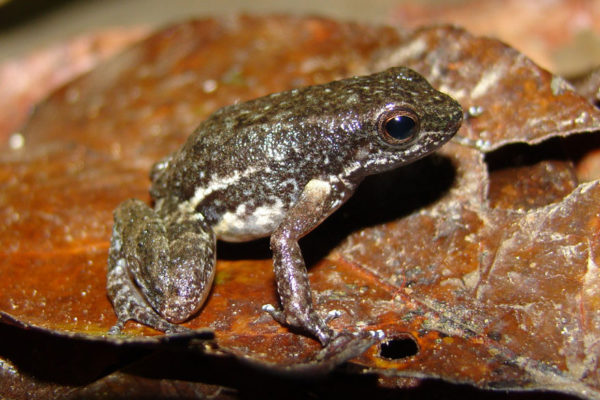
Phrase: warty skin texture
(274,166)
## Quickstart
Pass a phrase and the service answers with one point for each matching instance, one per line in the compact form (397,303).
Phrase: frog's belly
(244,224)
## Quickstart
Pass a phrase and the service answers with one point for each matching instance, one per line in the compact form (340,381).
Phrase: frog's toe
(322,332)
(310,323)
(345,345)
(153,321)
(116,328)
(331,315)
(173,329)
(277,315)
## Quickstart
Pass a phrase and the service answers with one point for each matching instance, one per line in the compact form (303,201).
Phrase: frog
(275,166)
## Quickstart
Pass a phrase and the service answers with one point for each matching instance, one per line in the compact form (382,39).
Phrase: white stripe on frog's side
(216,183)
(240,226)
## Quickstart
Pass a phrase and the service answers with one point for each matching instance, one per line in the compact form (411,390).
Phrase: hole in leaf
(497,336)
(524,176)
(398,348)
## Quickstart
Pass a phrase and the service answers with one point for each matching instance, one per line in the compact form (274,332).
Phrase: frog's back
(281,131)
(263,152)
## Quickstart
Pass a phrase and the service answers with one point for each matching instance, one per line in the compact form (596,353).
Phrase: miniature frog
(275,166)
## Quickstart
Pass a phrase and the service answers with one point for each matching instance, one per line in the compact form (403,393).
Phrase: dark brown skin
(278,165)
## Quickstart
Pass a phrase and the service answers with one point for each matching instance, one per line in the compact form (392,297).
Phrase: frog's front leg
(313,206)
(159,271)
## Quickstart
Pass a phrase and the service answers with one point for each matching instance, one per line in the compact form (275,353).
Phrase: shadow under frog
(379,199)
(277,167)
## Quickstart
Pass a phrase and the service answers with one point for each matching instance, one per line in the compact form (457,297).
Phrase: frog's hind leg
(158,273)
(129,304)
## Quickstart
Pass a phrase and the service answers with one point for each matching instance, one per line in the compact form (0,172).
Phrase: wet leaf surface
(479,264)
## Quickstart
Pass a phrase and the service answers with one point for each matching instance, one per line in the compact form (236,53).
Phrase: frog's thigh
(124,294)
(172,264)
(312,207)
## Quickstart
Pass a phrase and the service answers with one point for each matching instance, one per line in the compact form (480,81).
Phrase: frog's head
(406,119)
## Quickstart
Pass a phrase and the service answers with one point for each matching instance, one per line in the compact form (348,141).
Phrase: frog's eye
(398,126)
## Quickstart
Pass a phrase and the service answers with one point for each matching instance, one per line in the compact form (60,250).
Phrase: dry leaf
(479,264)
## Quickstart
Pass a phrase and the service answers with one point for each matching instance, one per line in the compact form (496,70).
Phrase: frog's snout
(455,123)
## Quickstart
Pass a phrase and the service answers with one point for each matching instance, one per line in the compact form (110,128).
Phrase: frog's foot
(307,322)
(159,325)
(129,305)
(153,321)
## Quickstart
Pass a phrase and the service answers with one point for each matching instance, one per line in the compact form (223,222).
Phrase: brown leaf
(27,80)
(561,36)
(479,264)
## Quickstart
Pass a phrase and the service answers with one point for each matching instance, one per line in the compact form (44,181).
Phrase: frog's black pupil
(401,127)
